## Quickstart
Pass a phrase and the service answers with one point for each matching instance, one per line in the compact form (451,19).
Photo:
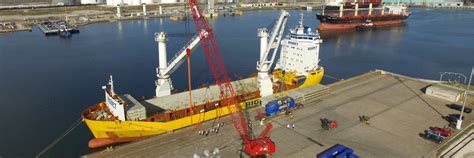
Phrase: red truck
(446,132)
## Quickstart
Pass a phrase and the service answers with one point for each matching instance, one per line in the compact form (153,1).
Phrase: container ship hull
(110,131)
(352,21)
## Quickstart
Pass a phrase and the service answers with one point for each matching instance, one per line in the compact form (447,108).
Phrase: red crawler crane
(261,145)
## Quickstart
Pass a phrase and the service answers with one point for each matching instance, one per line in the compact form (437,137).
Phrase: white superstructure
(333,3)
(116,105)
(300,50)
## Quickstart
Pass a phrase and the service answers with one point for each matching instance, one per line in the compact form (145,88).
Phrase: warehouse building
(92,1)
(427,2)
(136,2)
(16,2)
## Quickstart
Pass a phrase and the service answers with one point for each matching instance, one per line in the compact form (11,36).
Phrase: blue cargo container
(353,156)
(276,106)
(345,153)
(338,151)
(333,151)
(348,153)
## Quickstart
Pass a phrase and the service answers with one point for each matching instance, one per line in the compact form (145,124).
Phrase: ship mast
(111,83)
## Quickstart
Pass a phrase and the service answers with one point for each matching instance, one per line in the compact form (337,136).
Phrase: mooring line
(69,130)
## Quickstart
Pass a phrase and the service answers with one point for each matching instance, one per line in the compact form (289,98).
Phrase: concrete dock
(398,109)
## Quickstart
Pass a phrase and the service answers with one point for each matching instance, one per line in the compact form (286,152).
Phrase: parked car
(459,108)
(457,116)
(453,117)
(446,132)
(433,136)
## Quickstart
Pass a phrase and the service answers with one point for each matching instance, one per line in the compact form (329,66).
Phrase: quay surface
(397,106)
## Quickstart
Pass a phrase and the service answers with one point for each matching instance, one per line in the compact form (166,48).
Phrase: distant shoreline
(26,19)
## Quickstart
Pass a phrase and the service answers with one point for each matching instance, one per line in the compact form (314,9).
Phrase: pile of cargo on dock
(7,27)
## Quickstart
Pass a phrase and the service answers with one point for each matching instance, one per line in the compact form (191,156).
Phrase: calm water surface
(46,82)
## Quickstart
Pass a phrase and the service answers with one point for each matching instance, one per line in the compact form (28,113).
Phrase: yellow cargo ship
(121,118)
(108,128)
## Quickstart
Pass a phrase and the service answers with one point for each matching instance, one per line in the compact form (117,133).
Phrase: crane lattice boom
(253,147)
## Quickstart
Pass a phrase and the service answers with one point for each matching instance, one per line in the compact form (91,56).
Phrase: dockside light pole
(458,124)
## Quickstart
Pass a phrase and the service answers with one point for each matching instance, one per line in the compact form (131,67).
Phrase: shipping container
(443,93)
(345,154)
(333,151)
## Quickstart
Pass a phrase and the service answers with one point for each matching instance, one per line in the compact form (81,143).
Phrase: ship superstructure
(300,50)
(299,57)
(122,118)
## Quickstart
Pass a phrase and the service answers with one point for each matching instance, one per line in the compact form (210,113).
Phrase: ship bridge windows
(304,37)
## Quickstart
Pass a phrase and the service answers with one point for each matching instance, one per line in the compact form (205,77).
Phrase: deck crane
(261,145)
(163,83)
(264,64)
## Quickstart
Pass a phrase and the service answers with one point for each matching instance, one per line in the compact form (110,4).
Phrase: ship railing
(183,49)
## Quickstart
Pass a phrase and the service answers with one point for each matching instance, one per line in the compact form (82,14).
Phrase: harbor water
(46,82)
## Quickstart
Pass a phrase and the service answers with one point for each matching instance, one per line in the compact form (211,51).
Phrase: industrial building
(22,2)
(427,2)
(92,1)
(14,2)
(136,2)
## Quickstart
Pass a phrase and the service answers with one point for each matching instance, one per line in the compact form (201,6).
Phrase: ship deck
(200,96)
(398,109)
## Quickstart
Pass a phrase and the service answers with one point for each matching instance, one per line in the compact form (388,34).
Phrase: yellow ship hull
(129,129)
(121,129)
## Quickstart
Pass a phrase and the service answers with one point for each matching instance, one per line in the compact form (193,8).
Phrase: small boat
(368,25)
(64,32)
(177,17)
